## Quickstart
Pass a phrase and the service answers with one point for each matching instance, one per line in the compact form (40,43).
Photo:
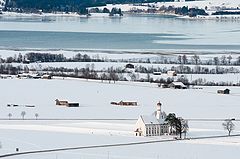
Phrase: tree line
(64,5)
(183,60)
(224,60)
(185,11)
(107,74)
(48,57)
(114,11)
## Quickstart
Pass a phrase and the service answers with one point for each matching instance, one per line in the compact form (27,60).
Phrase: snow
(94,98)
(99,66)
(147,95)
(202,4)
(211,4)
(46,91)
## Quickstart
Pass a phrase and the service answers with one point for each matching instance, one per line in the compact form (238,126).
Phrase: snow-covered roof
(149,119)
(178,84)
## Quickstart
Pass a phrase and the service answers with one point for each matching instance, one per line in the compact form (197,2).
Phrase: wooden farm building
(125,103)
(66,103)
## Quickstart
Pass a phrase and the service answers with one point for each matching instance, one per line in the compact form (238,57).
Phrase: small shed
(157,73)
(177,85)
(171,73)
(226,91)
(125,103)
(66,103)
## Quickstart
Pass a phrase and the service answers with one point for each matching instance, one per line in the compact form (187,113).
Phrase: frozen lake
(128,32)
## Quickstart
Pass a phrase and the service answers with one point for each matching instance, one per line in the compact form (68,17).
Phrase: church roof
(149,119)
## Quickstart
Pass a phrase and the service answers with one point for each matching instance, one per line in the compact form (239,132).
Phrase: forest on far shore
(66,5)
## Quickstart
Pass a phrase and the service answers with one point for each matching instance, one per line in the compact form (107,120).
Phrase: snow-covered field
(94,98)
(204,3)
(19,91)
(131,56)
(97,122)
(100,66)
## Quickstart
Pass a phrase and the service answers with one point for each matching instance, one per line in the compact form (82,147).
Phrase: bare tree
(229,59)
(238,60)
(180,59)
(148,77)
(216,60)
(133,76)
(196,59)
(23,113)
(223,60)
(228,125)
(36,115)
(103,77)
(9,115)
(184,59)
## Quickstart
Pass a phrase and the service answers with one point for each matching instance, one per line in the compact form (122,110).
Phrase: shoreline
(129,51)
(106,15)
(15,14)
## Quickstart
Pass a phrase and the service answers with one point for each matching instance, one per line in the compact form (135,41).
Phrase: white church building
(154,125)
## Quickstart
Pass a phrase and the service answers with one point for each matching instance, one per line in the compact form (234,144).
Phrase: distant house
(125,103)
(131,66)
(28,75)
(177,85)
(46,76)
(26,62)
(163,85)
(36,76)
(171,73)
(157,73)
(226,91)
(154,125)
(66,103)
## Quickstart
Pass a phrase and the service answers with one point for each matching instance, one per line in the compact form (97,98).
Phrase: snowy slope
(210,4)
(203,4)
(43,93)
(94,98)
